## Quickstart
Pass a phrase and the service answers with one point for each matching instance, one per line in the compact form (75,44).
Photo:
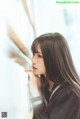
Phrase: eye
(40,56)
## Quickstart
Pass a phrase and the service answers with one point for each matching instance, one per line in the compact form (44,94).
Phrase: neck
(51,84)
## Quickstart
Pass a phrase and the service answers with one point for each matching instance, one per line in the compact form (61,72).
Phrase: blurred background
(21,21)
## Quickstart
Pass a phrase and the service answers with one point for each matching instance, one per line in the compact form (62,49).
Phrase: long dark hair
(57,59)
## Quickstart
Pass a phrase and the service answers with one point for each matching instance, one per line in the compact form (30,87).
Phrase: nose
(34,60)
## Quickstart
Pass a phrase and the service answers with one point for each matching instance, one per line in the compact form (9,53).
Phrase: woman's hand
(33,82)
(30,115)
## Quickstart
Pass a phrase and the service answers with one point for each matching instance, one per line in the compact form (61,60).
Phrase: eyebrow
(38,52)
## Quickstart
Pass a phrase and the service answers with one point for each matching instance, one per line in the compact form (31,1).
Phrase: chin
(35,73)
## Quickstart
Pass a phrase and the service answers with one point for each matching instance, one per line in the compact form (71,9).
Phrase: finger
(29,70)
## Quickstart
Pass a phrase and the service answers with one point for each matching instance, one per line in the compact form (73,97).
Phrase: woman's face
(38,63)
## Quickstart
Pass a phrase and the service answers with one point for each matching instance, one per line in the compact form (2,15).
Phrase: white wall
(14,97)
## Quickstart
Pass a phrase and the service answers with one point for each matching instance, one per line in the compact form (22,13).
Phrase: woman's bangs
(34,47)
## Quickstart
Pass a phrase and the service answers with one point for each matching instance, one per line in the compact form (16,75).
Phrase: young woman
(60,84)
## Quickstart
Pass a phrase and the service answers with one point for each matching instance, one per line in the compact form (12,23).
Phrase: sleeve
(65,106)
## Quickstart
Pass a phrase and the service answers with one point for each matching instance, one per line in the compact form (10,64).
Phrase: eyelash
(40,56)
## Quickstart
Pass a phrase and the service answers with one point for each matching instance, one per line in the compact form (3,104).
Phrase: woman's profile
(59,81)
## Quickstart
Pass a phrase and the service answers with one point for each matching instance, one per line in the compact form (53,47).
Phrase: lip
(34,68)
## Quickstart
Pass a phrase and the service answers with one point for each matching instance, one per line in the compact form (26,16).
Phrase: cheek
(42,67)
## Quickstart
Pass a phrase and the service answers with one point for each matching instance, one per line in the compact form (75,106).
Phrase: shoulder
(64,92)
(64,102)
